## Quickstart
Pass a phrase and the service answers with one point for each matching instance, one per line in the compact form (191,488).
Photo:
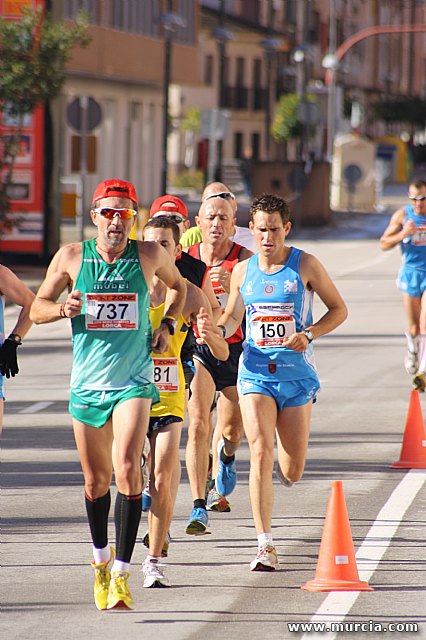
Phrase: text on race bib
(419,236)
(220,293)
(111,311)
(166,374)
(271,324)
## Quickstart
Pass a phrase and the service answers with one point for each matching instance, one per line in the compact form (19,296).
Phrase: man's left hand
(161,339)
(8,358)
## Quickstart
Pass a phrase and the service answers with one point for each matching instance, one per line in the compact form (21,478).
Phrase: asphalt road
(357,430)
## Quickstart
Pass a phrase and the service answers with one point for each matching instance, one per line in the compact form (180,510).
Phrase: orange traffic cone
(413,450)
(336,566)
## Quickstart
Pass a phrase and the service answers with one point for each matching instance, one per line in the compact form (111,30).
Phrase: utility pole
(221,90)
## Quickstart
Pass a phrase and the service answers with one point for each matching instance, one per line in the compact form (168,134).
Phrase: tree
(286,124)
(33,54)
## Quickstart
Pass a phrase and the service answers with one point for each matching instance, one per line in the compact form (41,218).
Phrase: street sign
(214,124)
(75,115)
(308,113)
(352,173)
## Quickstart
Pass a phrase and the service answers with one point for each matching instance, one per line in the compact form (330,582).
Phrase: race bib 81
(166,374)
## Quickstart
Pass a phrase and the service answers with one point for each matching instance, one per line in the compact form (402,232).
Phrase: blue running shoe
(226,478)
(146,500)
(197,523)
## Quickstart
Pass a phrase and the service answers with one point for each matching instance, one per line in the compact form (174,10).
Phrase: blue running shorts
(95,407)
(411,281)
(291,393)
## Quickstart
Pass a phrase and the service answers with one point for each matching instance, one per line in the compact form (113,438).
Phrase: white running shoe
(153,574)
(411,362)
(266,559)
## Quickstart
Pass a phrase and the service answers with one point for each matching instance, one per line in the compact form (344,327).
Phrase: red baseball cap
(168,204)
(115,188)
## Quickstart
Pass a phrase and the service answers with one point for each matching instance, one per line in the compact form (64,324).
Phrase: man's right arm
(45,308)
(207,289)
(233,315)
(395,232)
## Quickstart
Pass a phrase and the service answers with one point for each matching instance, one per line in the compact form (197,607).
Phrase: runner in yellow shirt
(167,416)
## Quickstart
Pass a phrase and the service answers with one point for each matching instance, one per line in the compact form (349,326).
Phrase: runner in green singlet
(108,280)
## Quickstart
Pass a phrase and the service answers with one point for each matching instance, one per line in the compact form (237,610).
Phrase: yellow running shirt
(168,371)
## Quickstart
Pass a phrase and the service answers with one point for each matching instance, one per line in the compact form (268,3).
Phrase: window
(208,70)
(257,72)
(238,144)
(255,145)
(239,76)
(133,16)
(72,7)
(142,17)
(186,10)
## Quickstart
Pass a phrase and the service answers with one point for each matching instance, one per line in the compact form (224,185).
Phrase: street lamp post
(222,35)
(170,22)
(331,62)
(270,46)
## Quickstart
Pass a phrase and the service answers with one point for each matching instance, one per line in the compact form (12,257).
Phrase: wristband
(222,329)
(62,313)
(16,338)
(171,323)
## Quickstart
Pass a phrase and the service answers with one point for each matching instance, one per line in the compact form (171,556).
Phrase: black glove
(8,358)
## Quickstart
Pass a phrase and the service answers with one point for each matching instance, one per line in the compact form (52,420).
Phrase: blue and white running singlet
(277,305)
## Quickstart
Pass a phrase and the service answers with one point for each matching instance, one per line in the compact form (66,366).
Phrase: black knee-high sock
(97,513)
(127,515)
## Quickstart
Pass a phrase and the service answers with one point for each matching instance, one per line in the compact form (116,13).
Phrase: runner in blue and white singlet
(407,227)
(277,379)
(277,305)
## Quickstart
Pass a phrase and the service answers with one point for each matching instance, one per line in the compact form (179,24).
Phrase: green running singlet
(112,336)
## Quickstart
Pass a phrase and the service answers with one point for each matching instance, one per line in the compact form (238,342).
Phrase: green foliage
(192,120)
(406,109)
(189,180)
(286,125)
(33,54)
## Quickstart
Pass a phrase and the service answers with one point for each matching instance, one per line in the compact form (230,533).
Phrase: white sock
(101,555)
(150,558)
(412,343)
(422,353)
(264,538)
(120,566)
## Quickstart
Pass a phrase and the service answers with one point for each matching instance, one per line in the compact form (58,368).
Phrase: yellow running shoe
(119,596)
(419,382)
(102,580)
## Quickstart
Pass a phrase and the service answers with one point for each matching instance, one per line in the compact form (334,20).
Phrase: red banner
(23,230)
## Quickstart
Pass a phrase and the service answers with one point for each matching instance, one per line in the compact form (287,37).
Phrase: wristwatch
(15,338)
(171,324)
(309,335)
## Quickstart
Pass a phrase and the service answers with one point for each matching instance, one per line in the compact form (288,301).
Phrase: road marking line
(338,604)
(363,265)
(37,406)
